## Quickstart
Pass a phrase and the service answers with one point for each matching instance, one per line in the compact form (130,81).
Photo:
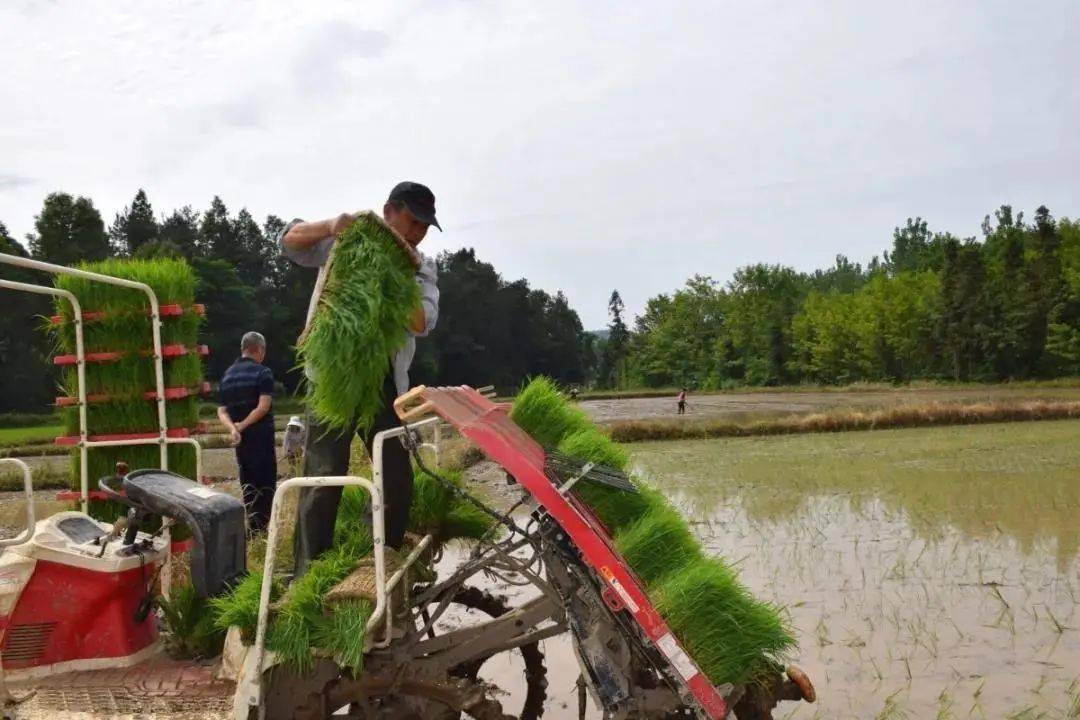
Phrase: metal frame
(249,686)
(162,440)
(28,490)
(80,368)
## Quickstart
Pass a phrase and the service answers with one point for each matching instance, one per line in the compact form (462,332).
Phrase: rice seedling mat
(122,399)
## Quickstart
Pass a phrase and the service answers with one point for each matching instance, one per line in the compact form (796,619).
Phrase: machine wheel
(460,694)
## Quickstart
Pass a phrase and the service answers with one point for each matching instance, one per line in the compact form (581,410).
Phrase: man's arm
(423,319)
(257,414)
(303,235)
(223,416)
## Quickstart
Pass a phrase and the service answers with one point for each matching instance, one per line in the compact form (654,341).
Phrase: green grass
(29,435)
(362,319)
(733,637)
(45,476)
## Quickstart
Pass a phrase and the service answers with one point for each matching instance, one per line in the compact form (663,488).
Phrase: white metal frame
(249,686)
(28,491)
(162,440)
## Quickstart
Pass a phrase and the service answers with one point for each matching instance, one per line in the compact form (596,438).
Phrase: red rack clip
(171,310)
(175,433)
(173,393)
(167,351)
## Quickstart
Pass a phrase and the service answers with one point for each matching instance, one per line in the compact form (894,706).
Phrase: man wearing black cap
(409,211)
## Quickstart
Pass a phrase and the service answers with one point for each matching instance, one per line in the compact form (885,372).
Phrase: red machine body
(488,425)
(64,607)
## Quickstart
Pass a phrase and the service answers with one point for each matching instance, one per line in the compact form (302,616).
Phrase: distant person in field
(682,401)
(247,395)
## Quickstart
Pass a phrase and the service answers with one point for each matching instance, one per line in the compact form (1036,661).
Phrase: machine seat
(216,520)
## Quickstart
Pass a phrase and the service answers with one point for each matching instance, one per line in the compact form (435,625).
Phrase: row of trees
(1004,307)
(489,330)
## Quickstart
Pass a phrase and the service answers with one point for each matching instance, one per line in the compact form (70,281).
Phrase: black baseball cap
(418,199)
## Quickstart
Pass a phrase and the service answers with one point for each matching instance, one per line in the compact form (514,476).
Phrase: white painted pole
(28,493)
(80,373)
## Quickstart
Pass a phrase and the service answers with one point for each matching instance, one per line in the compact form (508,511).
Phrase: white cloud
(585,146)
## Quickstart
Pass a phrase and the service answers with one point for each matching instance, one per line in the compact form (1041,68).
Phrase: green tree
(612,372)
(762,300)
(965,332)
(27,378)
(134,226)
(181,228)
(68,231)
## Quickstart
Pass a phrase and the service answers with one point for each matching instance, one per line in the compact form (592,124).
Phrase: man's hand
(234,436)
(341,223)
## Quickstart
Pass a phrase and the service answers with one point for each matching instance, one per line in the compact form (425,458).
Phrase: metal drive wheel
(392,693)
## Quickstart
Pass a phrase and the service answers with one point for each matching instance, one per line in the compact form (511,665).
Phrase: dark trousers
(258,475)
(327,453)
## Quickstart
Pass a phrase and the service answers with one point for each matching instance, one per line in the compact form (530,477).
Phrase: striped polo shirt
(240,388)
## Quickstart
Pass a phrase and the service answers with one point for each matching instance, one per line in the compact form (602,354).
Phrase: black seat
(216,520)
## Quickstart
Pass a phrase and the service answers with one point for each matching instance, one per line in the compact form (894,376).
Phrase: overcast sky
(586,146)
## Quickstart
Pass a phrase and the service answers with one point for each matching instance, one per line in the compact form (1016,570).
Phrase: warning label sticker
(627,600)
(677,656)
(202,492)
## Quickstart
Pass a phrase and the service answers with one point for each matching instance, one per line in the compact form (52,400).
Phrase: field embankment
(903,416)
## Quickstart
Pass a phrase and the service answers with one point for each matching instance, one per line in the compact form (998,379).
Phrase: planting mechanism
(77,631)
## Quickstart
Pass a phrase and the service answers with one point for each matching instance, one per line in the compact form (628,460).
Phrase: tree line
(1005,306)
(490,330)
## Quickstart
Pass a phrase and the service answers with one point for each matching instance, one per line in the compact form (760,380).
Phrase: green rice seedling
(733,637)
(618,509)
(240,606)
(658,544)
(362,319)
(295,628)
(465,522)
(134,416)
(172,280)
(542,411)
(125,327)
(343,632)
(190,621)
(591,445)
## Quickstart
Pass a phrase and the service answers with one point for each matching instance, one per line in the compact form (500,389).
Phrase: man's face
(405,224)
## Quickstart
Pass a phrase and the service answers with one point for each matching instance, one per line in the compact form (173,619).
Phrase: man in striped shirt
(247,392)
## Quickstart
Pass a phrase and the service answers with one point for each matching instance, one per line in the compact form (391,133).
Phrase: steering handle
(111,494)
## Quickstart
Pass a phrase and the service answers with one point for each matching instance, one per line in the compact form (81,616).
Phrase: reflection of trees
(1014,480)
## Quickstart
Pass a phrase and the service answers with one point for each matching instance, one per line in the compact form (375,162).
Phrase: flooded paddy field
(928,573)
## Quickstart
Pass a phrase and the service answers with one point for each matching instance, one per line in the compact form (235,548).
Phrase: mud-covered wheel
(460,694)
(535,671)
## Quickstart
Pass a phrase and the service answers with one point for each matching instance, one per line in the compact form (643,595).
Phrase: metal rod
(80,373)
(28,491)
(249,687)
(155,328)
